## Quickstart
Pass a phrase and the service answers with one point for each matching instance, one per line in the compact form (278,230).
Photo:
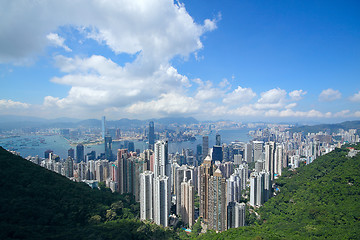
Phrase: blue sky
(238,60)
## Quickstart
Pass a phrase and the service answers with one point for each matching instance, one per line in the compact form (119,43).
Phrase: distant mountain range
(14,122)
(331,128)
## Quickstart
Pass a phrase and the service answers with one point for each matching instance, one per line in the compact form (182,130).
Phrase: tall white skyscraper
(248,153)
(146,195)
(258,150)
(233,189)
(162,166)
(182,173)
(242,171)
(161,202)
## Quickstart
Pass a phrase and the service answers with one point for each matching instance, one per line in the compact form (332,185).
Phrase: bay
(32,145)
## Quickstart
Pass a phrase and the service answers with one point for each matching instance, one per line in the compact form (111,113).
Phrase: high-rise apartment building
(258,150)
(235,215)
(162,165)
(187,202)
(183,173)
(161,202)
(248,153)
(205,172)
(146,195)
(270,158)
(217,202)
(233,189)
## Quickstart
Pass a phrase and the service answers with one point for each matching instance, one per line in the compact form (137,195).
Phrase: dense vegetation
(36,203)
(331,128)
(317,201)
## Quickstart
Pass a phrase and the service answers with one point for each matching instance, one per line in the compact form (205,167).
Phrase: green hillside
(318,201)
(36,203)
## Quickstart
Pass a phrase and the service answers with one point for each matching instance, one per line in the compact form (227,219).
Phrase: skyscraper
(187,202)
(218,140)
(217,202)
(233,189)
(182,173)
(161,200)
(161,159)
(217,154)
(270,158)
(235,215)
(248,153)
(80,153)
(151,135)
(108,151)
(103,127)
(146,195)
(205,146)
(206,170)
(71,153)
(258,150)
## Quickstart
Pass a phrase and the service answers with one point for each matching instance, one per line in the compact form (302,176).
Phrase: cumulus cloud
(159,29)
(206,91)
(297,95)
(153,31)
(57,41)
(329,95)
(99,82)
(239,95)
(355,97)
(166,104)
(10,104)
(274,98)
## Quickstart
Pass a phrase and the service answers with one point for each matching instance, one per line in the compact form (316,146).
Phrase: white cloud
(343,113)
(166,104)
(159,29)
(274,98)
(99,82)
(58,41)
(224,83)
(239,95)
(357,114)
(10,104)
(291,113)
(291,105)
(329,95)
(155,31)
(355,97)
(206,91)
(245,111)
(297,95)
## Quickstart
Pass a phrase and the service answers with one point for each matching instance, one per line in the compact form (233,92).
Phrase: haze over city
(237,60)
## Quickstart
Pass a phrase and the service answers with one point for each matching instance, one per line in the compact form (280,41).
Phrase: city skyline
(245,61)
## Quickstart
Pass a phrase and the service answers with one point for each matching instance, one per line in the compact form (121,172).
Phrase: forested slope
(36,203)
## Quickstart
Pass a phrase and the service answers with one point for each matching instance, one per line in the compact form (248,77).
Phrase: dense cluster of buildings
(216,183)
